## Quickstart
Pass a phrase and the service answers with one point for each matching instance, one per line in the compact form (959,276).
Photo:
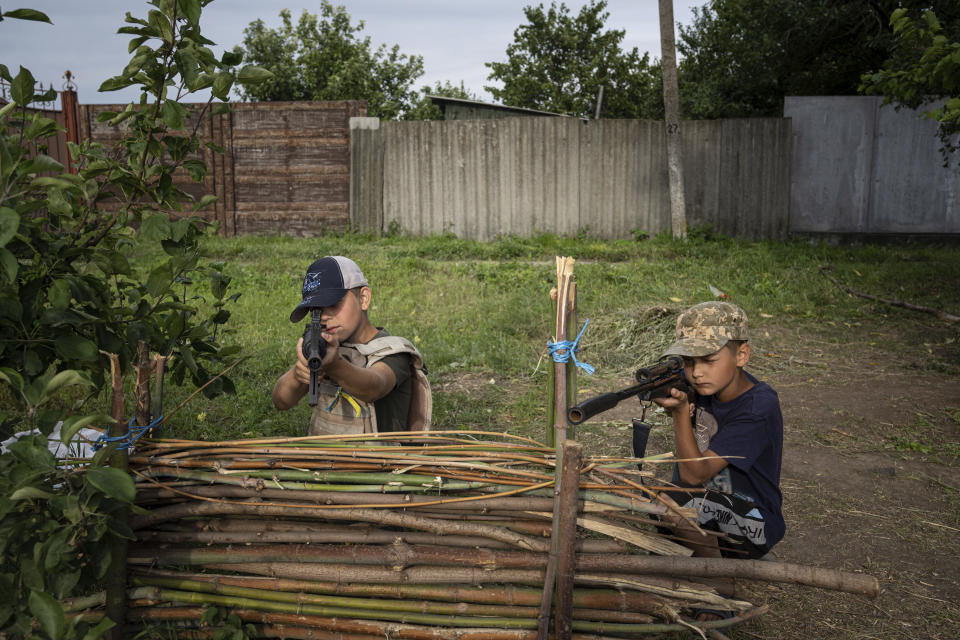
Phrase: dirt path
(870,483)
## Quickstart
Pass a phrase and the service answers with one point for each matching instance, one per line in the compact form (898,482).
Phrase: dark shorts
(731,514)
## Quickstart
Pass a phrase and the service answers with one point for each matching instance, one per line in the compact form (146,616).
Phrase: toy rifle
(314,349)
(652,382)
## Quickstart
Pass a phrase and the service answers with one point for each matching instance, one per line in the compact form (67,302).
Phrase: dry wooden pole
(564,277)
(334,535)
(156,399)
(671,105)
(821,577)
(141,389)
(618,600)
(116,579)
(564,282)
(377,516)
(566,533)
(550,436)
(305,565)
(311,625)
(485,505)
(571,335)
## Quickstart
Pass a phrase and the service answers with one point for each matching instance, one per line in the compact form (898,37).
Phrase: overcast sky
(455,37)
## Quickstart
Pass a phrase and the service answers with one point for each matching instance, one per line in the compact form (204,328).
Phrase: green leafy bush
(72,292)
(56,525)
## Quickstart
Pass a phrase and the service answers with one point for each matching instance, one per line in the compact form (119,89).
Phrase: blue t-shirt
(749,429)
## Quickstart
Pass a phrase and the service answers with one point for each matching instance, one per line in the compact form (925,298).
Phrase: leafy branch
(71,295)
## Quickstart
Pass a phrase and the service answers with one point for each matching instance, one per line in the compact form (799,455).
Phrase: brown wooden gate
(285,166)
(289,166)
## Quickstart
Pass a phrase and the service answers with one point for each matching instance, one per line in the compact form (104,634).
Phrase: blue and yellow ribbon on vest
(349,398)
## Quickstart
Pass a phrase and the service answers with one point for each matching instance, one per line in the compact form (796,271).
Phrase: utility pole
(671,106)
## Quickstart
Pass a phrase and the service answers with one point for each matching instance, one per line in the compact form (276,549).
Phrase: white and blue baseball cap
(327,280)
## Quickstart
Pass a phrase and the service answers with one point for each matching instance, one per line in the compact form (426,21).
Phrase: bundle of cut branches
(414,535)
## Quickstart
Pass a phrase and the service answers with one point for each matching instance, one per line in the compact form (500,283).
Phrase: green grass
(930,435)
(482,311)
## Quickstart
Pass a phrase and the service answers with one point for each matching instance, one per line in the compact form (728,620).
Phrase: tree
(922,70)
(325,58)
(426,110)
(70,290)
(558,62)
(740,57)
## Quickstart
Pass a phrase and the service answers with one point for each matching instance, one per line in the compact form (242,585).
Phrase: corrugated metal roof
(442,101)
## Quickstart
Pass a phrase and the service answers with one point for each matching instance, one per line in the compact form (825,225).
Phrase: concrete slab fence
(863,168)
(484,178)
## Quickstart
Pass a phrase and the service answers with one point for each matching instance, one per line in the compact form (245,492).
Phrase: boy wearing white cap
(730,441)
(369,381)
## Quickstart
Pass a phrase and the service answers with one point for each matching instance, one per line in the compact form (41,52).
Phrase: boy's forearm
(366,384)
(683,439)
(288,391)
(693,472)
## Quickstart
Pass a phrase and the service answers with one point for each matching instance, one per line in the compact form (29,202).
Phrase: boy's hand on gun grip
(677,400)
(301,370)
(333,349)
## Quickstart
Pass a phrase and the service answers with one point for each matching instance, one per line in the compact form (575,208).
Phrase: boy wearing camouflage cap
(730,440)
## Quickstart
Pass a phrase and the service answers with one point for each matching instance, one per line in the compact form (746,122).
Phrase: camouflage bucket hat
(705,328)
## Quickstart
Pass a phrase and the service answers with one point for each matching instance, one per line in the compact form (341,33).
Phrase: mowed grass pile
(481,315)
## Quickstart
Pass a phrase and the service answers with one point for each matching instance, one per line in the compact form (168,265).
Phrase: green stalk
(85,602)
(353,613)
(424,606)
(640,505)
(455,620)
(343,477)
(219,478)
(586,598)
(376,604)
(636,506)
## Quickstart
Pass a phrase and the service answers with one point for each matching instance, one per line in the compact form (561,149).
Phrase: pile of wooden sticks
(424,535)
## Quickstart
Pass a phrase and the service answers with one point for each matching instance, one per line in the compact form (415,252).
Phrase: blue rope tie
(569,348)
(126,440)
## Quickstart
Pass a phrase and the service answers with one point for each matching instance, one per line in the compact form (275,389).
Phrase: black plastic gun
(652,382)
(314,349)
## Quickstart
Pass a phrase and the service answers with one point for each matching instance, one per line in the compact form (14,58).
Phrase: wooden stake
(564,281)
(119,426)
(156,400)
(571,333)
(564,278)
(141,390)
(115,580)
(566,533)
(550,436)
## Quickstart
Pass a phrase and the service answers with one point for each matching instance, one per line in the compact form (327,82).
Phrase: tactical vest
(337,412)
